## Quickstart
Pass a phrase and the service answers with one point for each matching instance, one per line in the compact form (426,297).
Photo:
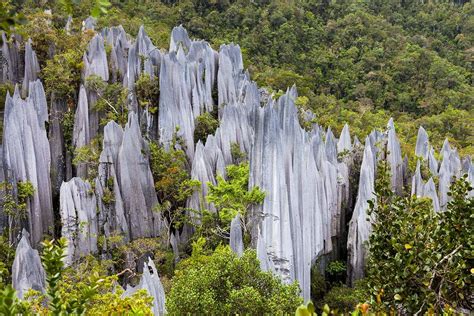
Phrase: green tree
(230,196)
(222,283)
(420,260)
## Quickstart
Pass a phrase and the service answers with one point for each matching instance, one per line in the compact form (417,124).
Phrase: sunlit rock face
(187,78)
(136,183)
(27,271)
(26,156)
(112,220)
(81,134)
(13,65)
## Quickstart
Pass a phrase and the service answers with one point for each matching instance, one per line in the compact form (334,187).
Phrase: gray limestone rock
(27,155)
(236,240)
(32,68)
(359,227)
(394,158)
(150,281)
(344,143)
(80,134)
(89,24)
(179,36)
(95,60)
(136,183)
(78,218)
(422,144)
(112,220)
(27,271)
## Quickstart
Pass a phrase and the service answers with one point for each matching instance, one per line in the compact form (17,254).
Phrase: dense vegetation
(356,62)
(222,283)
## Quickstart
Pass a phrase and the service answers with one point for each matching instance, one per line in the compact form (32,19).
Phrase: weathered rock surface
(32,68)
(359,227)
(26,155)
(150,281)
(136,183)
(236,240)
(112,220)
(80,134)
(27,271)
(78,218)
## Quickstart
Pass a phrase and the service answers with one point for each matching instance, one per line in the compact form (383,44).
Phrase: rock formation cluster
(305,174)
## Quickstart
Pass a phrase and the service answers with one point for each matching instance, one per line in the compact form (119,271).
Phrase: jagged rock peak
(179,36)
(136,183)
(344,142)
(422,143)
(394,158)
(32,68)
(359,227)
(26,155)
(27,271)
(89,24)
(95,60)
(150,281)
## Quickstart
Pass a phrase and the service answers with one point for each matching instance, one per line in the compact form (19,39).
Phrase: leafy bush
(89,155)
(230,196)
(173,182)
(344,299)
(222,283)
(112,99)
(420,260)
(318,284)
(205,125)
(336,272)
(148,92)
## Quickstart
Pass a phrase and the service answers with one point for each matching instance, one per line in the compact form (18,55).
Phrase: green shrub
(344,299)
(419,259)
(318,284)
(336,272)
(230,196)
(112,100)
(205,125)
(222,283)
(148,92)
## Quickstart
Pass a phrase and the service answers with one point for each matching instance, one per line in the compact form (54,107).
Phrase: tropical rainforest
(236,157)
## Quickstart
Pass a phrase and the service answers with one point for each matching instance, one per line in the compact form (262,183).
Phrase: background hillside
(356,62)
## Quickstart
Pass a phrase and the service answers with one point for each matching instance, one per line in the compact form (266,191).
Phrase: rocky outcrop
(27,271)
(359,227)
(136,183)
(112,220)
(26,155)
(32,68)
(394,158)
(422,144)
(78,218)
(150,281)
(236,240)
(80,134)
(186,82)
(12,65)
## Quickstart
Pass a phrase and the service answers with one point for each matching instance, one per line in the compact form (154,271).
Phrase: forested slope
(356,62)
(196,176)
